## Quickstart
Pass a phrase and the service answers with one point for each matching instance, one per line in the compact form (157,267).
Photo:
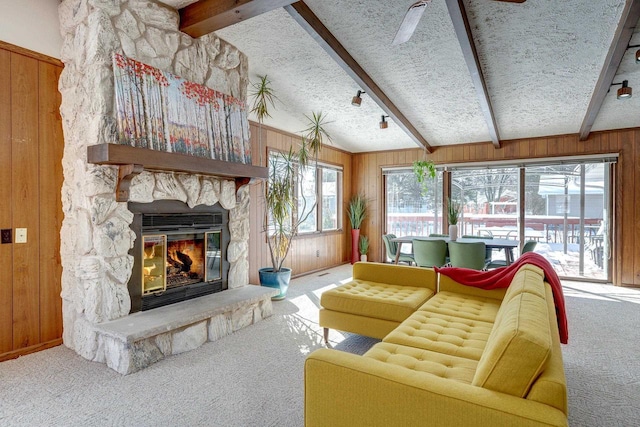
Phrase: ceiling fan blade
(410,22)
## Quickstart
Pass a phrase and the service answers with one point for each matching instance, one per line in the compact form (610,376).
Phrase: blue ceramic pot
(278,280)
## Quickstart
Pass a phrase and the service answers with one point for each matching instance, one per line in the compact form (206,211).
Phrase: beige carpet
(255,376)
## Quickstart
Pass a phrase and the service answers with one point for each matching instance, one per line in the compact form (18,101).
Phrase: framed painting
(161,111)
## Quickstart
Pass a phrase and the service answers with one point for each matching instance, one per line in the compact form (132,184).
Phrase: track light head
(383,123)
(357,100)
(625,91)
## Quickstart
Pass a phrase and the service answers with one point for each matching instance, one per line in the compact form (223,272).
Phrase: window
(410,209)
(306,197)
(319,197)
(330,191)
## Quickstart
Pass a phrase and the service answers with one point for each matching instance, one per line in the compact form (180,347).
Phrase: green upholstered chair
(392,248)
(529,246)
(467,255)
(487,252)
(429,253)
(442,235)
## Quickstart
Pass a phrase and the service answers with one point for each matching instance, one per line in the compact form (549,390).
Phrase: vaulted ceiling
(544,65)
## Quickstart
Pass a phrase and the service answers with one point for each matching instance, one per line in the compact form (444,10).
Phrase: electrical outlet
(6,235)
(21,235)
(317,253)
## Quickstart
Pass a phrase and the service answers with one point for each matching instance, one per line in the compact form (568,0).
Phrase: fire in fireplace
(178,260)
(179,253)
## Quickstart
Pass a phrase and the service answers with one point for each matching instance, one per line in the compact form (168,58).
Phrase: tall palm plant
(313,137)
(263,100)
(279,195)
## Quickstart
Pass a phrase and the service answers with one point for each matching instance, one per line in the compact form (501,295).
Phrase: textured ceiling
(541,60)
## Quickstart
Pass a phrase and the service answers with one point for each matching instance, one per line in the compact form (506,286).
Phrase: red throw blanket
(502,277)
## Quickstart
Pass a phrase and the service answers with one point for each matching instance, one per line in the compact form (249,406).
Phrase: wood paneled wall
(334,247)
(367,178)
(31,146)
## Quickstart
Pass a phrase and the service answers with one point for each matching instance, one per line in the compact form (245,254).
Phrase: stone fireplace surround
(96,235)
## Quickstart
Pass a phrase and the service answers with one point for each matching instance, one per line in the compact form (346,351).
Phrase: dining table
(511,232)
(503,244)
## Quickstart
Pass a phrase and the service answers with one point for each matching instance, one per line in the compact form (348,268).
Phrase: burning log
(182,264)
(185,260)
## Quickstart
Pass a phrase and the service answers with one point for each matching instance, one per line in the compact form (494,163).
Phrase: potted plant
(285,209)
(364,248)
(423,170)
(453,214)
(357,212)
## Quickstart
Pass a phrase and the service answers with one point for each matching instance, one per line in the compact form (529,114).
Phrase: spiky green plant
(315,136)
(279,196)
(363,245)
(453,211)
(357,210)
(263,100)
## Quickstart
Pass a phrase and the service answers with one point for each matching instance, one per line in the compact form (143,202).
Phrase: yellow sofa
(463,357)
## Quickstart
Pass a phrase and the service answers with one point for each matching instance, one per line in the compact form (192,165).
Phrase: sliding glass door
(566,211)
(490,201)
(566,206)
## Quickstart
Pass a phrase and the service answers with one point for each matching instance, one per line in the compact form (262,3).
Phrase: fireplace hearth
(179,254)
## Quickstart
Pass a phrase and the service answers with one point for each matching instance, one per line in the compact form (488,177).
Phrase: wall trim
(23,51)
(28,350)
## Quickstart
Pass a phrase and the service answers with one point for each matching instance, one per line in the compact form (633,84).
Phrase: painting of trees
(161,111)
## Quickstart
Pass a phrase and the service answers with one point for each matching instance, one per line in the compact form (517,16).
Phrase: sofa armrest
(343,389)
(399,275)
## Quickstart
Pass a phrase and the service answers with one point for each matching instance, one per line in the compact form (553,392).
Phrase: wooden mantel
(132,160)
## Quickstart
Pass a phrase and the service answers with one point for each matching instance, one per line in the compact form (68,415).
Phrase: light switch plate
(21,235)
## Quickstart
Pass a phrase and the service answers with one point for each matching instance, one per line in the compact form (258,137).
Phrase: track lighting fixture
(625,91)
(637,52)
(383,123)
(357,100)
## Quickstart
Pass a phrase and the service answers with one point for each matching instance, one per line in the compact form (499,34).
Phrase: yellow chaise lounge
(463,357)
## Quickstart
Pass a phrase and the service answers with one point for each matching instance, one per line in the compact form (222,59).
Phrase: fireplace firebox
(179,253)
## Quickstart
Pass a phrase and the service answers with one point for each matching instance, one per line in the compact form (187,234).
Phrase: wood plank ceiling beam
(207,16)
(621,38)
(465,38)
(312,24)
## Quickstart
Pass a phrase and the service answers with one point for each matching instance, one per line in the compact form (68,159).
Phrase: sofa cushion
(399,275)
(465,306)
(439,364)
(518,346)
(442,333)
(378,300)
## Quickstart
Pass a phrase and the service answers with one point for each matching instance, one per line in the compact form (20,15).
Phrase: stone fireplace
(98,235)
